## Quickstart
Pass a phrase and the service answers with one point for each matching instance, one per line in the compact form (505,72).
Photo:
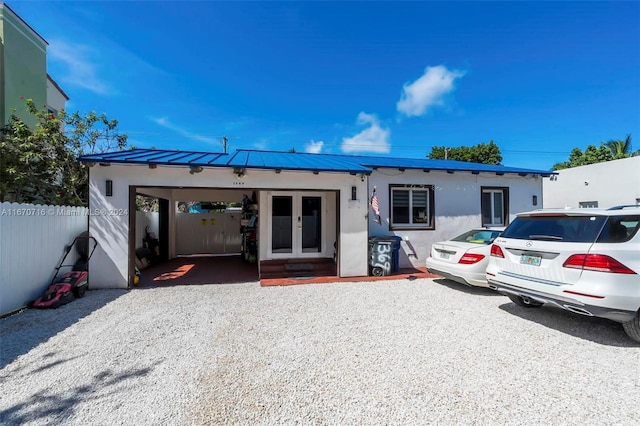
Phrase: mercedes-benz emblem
(529,243)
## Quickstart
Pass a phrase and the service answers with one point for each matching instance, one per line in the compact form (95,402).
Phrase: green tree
(591,155)
(31,160)
(147,204)
(39,164)
(620,148)
(87,134)
(484,153)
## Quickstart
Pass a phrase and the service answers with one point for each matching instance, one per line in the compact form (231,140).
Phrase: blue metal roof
(273,160)
(429,164)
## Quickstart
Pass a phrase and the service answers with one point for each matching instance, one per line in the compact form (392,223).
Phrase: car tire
(525,303)
(632,328)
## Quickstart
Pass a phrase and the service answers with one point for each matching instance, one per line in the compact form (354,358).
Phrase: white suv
(586,261)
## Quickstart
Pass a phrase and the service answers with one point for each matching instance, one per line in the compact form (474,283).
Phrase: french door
(296,224)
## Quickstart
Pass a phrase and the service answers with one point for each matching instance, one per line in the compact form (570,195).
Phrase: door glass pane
(281,232)
(497,208)
(400,204)
(486,208)
(311,224)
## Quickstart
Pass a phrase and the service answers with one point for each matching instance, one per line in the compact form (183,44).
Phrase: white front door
(296,224)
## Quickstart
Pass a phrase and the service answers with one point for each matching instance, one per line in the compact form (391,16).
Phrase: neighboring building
(603,185)
(23,68)
(306,203)
(56,98)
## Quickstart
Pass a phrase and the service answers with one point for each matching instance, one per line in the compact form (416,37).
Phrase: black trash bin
(395,265)
(380,256)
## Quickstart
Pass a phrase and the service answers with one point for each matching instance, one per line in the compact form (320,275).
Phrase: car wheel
(524,302)
(632,328)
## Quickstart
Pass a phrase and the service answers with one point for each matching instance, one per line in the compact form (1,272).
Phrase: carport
(204,240)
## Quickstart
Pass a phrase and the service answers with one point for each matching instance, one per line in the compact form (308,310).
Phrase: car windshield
(478,236)
(574,229)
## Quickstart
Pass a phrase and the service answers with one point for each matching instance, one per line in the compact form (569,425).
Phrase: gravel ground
(386,352)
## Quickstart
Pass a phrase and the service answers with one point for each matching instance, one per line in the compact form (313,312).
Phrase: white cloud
(372,139)
(314,147)
(164,122)
(98,65)
(80,68)
(428,90)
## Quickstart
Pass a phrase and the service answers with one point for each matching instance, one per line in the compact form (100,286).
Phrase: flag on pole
(375,207)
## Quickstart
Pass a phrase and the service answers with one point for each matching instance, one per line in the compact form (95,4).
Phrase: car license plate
(530,260)
(444,255)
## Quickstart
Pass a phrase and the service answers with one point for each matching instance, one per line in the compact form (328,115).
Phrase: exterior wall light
(108,190)
(535,200)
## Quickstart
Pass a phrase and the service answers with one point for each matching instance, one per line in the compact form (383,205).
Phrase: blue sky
(538,78)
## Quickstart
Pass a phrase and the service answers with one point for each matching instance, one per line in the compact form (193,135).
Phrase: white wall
(55,98)
(144,219)
(611,183)
(457,205)
(109,266)
(227,195)
(32,243)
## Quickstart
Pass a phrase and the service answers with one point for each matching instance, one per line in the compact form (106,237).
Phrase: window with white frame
(411,206)
(494,206)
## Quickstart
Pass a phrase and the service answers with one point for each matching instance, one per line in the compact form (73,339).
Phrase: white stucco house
(603,185)
(304,204)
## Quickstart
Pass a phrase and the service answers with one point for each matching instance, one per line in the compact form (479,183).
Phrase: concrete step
(293,268)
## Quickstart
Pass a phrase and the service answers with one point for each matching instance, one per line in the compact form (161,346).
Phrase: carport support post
(132,235)
(163,228)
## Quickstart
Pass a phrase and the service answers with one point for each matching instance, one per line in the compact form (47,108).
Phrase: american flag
(375,207)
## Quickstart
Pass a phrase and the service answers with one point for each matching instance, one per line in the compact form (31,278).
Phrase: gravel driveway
(387,352)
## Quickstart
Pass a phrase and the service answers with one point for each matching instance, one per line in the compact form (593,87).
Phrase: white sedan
(464,258)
